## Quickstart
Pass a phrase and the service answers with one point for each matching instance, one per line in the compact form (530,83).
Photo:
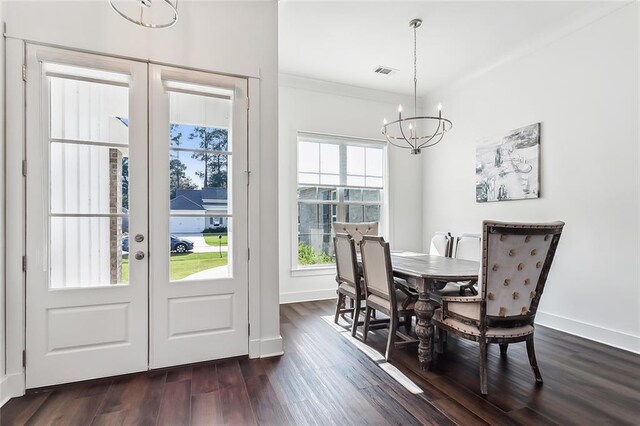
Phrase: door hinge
(24,72)
(249,329)
(24,358)
(248,253)
(248,172)
(24,263)
(24,168)
(248,103)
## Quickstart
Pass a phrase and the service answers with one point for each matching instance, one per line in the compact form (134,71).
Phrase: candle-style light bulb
(410,126)
(384,121)
(400,108)
(439,107)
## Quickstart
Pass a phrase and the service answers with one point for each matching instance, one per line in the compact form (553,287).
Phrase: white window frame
(384,226)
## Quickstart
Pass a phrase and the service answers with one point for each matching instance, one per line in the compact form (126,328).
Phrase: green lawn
(215,240)
(185,264)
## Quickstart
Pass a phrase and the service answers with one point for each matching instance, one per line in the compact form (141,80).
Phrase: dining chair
(441,244)
(383,294)
(467,248)
(348,278)
(516,259)
(356,230)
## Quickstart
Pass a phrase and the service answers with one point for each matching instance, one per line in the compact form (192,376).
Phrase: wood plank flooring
(324,379)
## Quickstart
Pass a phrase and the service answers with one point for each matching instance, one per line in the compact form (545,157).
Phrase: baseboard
(307,296)
(266,348)
(596,333)
(11,386)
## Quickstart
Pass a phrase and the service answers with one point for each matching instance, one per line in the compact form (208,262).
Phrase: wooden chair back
(441,244)
(516,259)
(377,270)
(346,260)
(356,230)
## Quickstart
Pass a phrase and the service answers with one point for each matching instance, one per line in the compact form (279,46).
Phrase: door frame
(14,384)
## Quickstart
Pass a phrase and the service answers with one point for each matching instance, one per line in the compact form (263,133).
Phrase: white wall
(584,89)
(228,37)
(315,106)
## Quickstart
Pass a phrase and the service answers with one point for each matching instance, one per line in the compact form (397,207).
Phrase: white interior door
(87,300)
(199,280)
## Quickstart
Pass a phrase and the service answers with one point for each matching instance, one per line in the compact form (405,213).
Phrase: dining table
(427,274)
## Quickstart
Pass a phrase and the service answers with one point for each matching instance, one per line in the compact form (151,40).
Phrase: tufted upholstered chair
(382,294)
(516,258)
(356,230)
(349,280)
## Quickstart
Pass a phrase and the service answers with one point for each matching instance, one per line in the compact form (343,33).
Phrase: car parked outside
(178,245)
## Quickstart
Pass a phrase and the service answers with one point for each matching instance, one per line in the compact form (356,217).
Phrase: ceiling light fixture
(416,132)
(147,13)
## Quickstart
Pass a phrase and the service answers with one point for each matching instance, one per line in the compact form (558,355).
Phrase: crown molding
(341,89)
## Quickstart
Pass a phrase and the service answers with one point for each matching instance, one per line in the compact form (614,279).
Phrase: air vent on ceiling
(385,70)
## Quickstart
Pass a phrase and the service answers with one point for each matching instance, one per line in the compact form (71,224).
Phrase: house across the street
(209,201)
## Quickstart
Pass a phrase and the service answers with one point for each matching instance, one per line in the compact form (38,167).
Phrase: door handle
(139,255)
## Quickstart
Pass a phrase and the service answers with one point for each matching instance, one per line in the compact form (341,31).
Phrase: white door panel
(199,300)
(86,305)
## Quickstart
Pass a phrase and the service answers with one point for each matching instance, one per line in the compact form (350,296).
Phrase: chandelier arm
(396,145)
(427,143)
(432,136)
(422,139)
(434,143)
(402,132)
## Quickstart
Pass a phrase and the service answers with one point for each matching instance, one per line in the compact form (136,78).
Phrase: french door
(125,173)
(198,151)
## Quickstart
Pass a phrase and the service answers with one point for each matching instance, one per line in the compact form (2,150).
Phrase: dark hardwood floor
(324,379)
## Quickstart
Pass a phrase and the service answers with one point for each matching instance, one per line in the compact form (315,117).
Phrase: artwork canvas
(507,165)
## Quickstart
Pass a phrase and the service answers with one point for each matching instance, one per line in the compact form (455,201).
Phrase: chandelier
(416,132)
(147,13)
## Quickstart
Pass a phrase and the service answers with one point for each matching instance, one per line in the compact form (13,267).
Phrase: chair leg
(483,367)
(407,323)
(367,316)
(352,307)
(338,306)
(438,347)
(356,317)
(532,359)
(393,328)
(503,350)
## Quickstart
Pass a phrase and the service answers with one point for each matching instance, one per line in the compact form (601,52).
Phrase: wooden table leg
(424,327)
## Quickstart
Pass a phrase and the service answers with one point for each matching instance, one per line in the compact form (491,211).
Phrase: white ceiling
(344,42)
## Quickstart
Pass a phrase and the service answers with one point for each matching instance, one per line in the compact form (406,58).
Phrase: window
(339,179)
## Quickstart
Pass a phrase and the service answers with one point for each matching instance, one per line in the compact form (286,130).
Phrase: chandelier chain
(415,71)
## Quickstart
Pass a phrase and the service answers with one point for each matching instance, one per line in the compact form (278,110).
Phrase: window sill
(313,271)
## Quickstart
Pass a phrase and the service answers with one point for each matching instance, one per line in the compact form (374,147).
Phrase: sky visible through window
(185,136)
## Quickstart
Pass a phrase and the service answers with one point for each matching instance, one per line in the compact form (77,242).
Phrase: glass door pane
(200,170)
(88,154)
